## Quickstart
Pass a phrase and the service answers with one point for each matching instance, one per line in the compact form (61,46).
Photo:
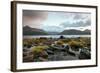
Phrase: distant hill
(33,31)
(76,32)
(53,33)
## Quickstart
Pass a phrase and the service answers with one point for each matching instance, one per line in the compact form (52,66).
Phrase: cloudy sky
(56,21)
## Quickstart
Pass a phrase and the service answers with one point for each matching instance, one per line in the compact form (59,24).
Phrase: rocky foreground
(54,53)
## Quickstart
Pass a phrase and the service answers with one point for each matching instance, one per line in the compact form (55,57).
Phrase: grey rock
(49,51)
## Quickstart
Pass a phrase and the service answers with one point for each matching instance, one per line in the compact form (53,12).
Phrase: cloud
(88,22)
(76,15)
(82,23)
(78,20)
(79,23)
(76,23)
(81,16)
(34,18)
(51,20)
(35,14)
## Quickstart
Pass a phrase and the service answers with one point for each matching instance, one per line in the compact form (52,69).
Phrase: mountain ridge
(35,31)
(76,32)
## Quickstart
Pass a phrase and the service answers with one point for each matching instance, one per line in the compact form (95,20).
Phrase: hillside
(76,32)
(33,31)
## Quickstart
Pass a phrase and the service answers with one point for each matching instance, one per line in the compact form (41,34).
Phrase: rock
(29,46)
(66,47)
(61,37)
(55,58)
(43,54)
(69,57)
(57,48)
(84,54)
(49,51)
(28,58)
(71,53)
(42,59)
(24,54)
(25,49)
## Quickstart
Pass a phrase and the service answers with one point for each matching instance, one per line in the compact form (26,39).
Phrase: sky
(56,21)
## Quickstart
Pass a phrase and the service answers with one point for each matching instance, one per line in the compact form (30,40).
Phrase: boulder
(84,54)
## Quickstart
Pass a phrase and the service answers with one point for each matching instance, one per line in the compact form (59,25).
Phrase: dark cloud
(34,18)
(35,14)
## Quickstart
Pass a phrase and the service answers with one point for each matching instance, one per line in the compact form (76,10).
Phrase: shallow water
(55,36)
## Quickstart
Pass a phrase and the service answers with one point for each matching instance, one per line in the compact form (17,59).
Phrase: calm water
(55,36)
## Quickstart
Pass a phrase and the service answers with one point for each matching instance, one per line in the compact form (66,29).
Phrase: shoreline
(55,36)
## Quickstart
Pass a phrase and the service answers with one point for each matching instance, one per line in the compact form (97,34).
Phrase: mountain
(33,31)
(87,31)
(76,32)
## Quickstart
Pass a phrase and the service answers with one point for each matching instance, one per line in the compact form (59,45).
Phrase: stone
(42,59)
(84,54)
(28,58)
(43,54)
(49,51)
